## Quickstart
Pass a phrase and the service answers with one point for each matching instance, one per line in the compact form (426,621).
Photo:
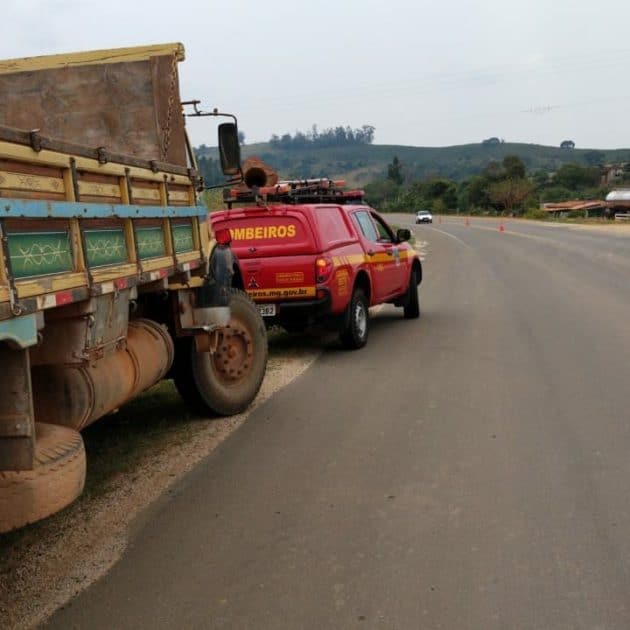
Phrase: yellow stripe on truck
(283,292)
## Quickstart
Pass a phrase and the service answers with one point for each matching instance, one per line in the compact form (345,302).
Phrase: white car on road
(424,216)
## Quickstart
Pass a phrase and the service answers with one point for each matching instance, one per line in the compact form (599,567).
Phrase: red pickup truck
(311,253)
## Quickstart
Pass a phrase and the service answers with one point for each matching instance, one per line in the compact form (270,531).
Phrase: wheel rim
(360,319)
(233,358)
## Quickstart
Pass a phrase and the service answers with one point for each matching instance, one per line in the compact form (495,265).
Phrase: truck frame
(109,277)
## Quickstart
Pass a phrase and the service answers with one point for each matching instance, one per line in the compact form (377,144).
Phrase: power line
(440,82)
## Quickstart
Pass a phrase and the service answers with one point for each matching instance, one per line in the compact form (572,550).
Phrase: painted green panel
(150,241)
(105,247)
(39,253)
(183,238)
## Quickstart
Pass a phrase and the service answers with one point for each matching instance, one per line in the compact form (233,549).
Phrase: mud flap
(17,426)
(216,287)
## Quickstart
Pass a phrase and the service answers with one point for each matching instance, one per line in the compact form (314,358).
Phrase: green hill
(360,164)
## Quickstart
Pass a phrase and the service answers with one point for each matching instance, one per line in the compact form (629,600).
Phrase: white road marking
(422,247)
(459,240)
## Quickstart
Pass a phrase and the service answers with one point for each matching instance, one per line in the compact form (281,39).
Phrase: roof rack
(296,191)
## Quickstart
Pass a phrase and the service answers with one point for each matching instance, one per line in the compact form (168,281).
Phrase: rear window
(331,225)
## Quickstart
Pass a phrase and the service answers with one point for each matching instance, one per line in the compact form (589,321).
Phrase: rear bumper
(314,308)
(303,313)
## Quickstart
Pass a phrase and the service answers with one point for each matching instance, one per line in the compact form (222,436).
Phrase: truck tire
(56,480)
(226,382)
(411,309)
(354,333)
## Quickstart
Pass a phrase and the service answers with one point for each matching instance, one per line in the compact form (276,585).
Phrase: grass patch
(158,418)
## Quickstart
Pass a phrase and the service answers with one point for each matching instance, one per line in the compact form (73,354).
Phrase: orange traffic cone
(501,227)
(467,222)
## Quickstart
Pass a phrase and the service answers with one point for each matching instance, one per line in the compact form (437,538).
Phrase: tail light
(323,269)
(223,236)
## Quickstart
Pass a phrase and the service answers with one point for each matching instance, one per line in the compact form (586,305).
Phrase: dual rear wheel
(57,478)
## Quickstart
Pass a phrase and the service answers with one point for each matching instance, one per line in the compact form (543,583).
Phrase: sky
(423,73)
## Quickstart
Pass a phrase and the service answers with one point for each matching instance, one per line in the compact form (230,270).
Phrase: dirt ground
(45,565)
(616,228)
(619,228)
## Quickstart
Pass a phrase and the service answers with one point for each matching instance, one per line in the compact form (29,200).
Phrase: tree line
(503,187)
(210,168)
(331,137)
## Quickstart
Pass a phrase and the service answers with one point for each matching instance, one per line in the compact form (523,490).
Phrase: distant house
(590,208)
(612,173)
(567,144)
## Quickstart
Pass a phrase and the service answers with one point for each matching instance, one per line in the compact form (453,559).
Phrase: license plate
(267,310)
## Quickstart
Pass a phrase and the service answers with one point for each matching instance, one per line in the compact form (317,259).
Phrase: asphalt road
(467,470)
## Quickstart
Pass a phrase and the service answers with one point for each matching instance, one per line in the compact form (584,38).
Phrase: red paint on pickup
(307,259)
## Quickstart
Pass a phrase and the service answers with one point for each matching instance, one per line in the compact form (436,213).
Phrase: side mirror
(229,149)
(403,234)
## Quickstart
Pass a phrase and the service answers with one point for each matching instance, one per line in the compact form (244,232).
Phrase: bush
(536,213)
(439,207)
(577,214)
(555,194)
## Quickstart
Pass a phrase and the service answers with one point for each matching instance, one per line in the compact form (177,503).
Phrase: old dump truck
(109,277)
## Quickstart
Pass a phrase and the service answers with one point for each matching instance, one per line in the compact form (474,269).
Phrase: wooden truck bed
(126,100)
(72,227)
